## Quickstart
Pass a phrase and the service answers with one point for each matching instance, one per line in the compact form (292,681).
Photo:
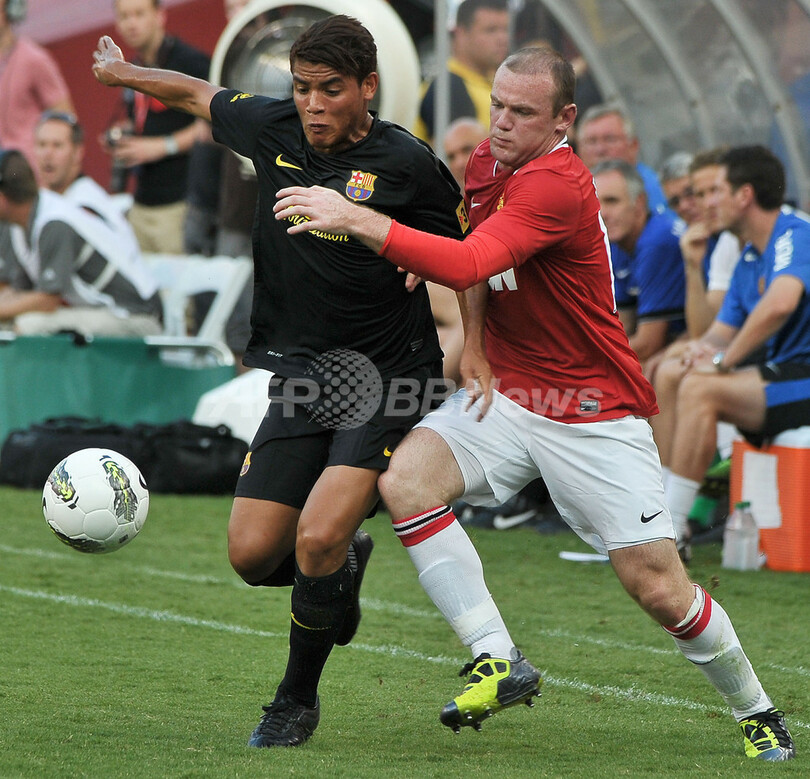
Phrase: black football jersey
(316,292)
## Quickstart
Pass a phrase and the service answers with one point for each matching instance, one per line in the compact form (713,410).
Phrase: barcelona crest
(361,185)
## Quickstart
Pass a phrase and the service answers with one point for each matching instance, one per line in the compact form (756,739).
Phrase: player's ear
(568,115)
(369,85)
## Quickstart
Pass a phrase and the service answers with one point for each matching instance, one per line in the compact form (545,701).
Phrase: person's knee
(255,556)
(246,559)
(398,482)
(668,375)
(320,540)
(694,392)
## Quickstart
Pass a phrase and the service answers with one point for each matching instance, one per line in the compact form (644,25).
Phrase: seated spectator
(676,183)
(480,43)
(647,261)
(58,156)
(30,83)
(605,132)
(64,269)
(766,305)
(710,253)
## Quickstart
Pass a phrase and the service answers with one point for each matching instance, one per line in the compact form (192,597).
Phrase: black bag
(186,458)
(28,456)
(178,457)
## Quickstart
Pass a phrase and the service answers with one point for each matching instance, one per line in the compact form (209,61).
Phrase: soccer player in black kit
(333,322)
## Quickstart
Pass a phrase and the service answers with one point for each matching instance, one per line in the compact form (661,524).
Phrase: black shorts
(787,399)
(290,449)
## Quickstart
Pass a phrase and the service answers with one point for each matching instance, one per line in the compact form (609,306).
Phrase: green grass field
(154,662)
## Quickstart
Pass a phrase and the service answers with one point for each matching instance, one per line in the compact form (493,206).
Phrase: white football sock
(451,573)
(707,638)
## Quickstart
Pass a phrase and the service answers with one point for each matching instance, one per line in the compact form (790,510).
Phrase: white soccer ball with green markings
(95,500)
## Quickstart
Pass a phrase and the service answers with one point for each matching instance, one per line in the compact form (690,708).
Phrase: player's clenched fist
(104,56)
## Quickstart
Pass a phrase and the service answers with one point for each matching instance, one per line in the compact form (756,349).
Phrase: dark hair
(759,167)
(708,157)
(76,131)
(465,15)
(341,43)
(543,60)
(17,180)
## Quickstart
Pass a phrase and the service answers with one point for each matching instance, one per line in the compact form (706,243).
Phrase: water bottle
(741,539)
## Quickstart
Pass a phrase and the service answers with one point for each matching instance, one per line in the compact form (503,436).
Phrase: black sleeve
(238,118)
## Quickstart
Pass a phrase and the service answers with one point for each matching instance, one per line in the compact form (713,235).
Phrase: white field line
(389,607)
(628,693)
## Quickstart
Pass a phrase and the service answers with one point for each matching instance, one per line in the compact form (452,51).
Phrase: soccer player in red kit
(553,390)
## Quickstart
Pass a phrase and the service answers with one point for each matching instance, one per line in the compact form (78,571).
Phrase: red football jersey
(552,333)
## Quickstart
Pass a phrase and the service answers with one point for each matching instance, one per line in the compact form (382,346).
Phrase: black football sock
(318,607)
(283,576)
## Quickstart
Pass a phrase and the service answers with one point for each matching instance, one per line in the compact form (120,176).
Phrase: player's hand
(134,150)
(324,209)
(105,56)
(478,379)
(696,352)
(412,281)
(693,243)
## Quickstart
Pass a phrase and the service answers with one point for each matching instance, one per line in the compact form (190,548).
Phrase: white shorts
(604,477)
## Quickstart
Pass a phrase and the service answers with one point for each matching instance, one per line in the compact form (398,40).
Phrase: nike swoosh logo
(645,520)
(473,204)
(501,522)
(387,452)
(283,164)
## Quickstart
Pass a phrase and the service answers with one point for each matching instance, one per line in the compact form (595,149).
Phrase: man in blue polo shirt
(647,262)
(766,306)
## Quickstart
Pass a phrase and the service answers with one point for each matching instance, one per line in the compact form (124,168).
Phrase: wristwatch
(717,361)
(171,145)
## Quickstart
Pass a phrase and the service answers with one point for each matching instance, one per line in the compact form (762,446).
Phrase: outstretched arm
(175,90)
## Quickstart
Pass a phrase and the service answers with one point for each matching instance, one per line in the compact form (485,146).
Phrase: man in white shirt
(62,268)
(58,156)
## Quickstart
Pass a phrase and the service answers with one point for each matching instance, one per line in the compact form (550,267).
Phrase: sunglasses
(676,200)
(60,116)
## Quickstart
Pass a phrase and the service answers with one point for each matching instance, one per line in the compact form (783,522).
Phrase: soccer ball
(95,500)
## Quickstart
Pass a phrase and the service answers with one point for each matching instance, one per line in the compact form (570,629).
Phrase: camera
(113,135)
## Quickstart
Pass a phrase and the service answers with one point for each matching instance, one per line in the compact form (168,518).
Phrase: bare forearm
(14,302)
(696,308)
(767,317)
(473,305)
(174,90)
(367,226)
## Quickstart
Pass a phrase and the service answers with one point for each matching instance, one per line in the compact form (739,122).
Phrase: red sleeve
(541,210)
(455,264)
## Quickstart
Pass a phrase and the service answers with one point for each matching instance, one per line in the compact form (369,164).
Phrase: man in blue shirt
(766,306)
(647,261)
